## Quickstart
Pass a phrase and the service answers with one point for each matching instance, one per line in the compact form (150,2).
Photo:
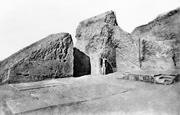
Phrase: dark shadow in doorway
(82,64)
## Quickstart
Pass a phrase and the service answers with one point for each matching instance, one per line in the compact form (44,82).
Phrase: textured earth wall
(51,57)
(154,46)
(95,37)
(159,42)
(127,52)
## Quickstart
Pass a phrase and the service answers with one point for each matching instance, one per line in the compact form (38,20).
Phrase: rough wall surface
(95,38)
(159,42)
(154,46)
(51,57)
(127,52)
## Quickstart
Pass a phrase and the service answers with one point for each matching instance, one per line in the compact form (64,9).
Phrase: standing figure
(103,66)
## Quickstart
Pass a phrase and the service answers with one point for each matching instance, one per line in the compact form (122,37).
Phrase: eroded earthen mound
(51,57)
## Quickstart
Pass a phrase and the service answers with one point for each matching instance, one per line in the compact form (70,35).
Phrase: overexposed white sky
(23,22)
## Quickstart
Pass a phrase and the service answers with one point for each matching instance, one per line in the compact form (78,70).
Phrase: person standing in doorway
(103,65)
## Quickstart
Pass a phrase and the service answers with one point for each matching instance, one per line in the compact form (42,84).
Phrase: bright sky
(23,22)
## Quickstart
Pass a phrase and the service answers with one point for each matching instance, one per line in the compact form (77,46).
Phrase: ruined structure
(95,37)
(102,47)
(127,52)
(159,42)
(154,46)
(51,57)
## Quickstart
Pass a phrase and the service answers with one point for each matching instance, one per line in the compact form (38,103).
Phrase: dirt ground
(96,95)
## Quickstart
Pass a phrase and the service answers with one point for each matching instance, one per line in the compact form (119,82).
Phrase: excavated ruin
(159,42)
(102,47)
(51,57)
(95,38)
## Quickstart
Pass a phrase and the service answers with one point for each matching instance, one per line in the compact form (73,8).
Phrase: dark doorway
(82,64)
(107,65)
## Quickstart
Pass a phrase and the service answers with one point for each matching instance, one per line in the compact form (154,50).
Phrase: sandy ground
(100,95)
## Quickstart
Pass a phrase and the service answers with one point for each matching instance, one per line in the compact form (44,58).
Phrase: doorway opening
(105,66)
